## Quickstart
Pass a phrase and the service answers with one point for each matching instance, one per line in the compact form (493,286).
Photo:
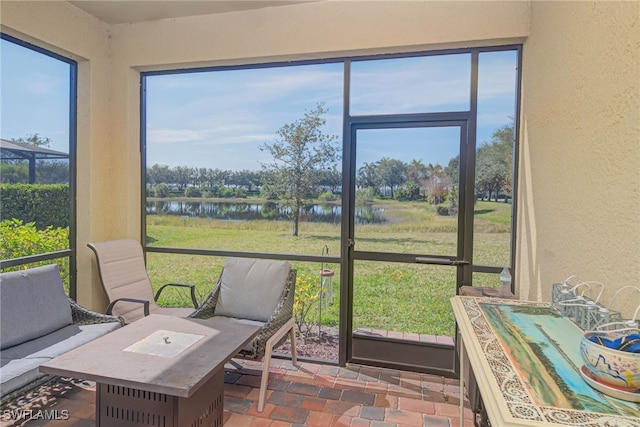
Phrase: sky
(34,94)
(221,119)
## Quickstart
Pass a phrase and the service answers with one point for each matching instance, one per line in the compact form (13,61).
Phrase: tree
(48,171)
(506,137)
(13,173)
(494,163)
(453,169)
(52,171)
(300,152)
(410,191)
(245,178)
(158,174)
(331,180)
(183,176)
(416,170)
(33,139)
(368,177)
(437,185)
(392,173)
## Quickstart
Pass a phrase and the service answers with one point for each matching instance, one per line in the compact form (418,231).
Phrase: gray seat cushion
(249,346)
(33,304)
(16,373)
(20,364)
(251,288)
(58,342)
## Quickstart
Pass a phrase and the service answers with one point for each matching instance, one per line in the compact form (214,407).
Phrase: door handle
(440,261)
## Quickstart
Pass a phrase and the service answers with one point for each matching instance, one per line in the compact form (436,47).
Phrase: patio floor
(310,394)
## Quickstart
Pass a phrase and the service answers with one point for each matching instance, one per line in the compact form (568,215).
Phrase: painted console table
(526,361)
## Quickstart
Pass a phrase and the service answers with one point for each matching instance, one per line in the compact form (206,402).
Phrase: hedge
(18,240)
(43,204)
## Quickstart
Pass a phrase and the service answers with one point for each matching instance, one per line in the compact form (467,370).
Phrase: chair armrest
(83,316)
(281,315)
(208,307)
(180,285)
(139,301)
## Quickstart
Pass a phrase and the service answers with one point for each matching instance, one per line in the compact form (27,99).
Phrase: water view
(238,211)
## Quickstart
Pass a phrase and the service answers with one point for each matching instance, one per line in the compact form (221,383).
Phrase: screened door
(406,255)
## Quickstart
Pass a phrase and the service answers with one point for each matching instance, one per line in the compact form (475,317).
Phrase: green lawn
(399,297)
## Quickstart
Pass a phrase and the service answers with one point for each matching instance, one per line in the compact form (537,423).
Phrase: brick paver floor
(309,394)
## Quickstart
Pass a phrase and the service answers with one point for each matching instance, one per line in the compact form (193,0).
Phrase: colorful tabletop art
(533,359)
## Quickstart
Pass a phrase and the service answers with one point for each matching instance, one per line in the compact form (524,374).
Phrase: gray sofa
(39,322)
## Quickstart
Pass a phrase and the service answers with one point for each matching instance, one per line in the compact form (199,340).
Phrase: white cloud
(232,134)
(37,83)
(163,136)
(414,85)
(219,119)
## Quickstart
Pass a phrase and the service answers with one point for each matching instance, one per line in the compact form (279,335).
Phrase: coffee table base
(120,406)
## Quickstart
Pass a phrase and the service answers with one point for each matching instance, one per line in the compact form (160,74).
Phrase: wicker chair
(259,292)
(124,278)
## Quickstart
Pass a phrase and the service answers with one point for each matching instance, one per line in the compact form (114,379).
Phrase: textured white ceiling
(129,11)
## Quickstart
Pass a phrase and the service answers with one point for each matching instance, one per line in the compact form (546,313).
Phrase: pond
(235,211)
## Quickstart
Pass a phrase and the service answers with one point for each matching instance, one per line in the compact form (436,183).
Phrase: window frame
(346,61)
(441,355)
(70,253)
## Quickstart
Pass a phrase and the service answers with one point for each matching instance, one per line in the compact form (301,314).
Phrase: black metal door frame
(382,352)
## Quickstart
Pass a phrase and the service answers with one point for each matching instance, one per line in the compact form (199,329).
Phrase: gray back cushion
(33,303)
(251,288)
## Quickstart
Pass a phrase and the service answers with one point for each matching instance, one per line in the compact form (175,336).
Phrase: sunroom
(175,113)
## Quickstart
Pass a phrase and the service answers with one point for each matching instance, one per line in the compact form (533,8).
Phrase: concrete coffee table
(158,371)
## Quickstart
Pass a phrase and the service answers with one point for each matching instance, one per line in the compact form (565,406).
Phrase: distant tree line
(385,178)
(47,172)
(395,179)
(163,180)
(437,184)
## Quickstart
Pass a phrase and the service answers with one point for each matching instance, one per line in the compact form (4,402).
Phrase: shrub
(14,173)
(305,299)
(269,192)
(213,191)
(192,192)
(227,193)
(327,196)
(18,240)
(240,193)
(162,190)
(366,194)
(411,191)
(43,204)
(443,211)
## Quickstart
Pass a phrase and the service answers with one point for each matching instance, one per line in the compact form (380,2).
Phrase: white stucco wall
(68,31)
(580,157)
(315,30)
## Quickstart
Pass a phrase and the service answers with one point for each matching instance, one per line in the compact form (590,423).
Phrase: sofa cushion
(33,304)
(249,346)
(250,288)
(59,342)
(16,373)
